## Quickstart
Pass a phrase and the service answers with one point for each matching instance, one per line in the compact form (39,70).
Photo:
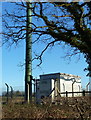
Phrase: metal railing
(83,93)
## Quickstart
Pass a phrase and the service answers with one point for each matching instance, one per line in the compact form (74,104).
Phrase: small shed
(57,83)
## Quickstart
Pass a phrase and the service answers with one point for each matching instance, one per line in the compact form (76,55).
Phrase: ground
(77,107)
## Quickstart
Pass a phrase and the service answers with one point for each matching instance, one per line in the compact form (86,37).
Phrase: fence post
(7,92)
(11,92)
(66,94)
(83,92)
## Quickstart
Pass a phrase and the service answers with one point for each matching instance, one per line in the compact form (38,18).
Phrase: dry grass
(66,108)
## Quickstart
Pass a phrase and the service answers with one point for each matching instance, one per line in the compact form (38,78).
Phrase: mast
(28,65)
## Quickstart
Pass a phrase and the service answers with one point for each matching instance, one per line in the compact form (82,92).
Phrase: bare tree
(58,21)
(52,23)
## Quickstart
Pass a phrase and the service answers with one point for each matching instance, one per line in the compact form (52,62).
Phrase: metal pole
(34,91)
(28,92)
(66,94)
(7,92)
(28,66)
(73,88)
(11,92)
(87,86)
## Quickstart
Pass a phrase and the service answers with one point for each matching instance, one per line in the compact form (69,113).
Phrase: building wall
(45,87)
(66,84)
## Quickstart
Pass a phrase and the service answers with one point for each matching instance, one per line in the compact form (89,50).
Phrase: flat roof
(61,74)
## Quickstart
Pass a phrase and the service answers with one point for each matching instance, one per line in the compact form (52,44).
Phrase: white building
(54,84)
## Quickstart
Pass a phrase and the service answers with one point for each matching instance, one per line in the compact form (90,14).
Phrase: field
(68,108)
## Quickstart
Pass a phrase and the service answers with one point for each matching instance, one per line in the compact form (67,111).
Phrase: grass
(68,108)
